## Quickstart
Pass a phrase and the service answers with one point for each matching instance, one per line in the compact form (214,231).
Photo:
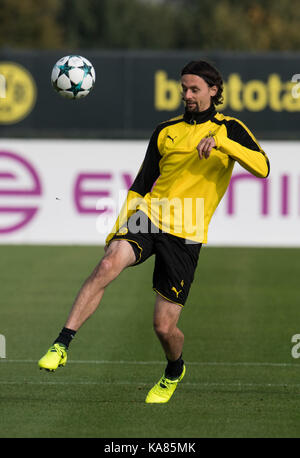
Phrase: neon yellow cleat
(55,357)
(163,390)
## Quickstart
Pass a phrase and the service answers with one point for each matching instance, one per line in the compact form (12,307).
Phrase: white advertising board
(69,192)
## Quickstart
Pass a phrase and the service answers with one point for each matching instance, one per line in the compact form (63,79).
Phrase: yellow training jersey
(178,191)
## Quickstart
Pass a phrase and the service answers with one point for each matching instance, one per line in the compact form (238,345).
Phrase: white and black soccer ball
(73,77)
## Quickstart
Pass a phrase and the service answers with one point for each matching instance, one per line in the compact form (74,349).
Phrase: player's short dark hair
(209,73)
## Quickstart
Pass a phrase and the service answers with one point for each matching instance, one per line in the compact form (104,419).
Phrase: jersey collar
(200,116)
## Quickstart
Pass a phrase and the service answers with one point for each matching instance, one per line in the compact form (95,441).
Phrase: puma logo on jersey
(175,291)
(168,136)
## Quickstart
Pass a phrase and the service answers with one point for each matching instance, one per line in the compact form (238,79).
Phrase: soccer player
(185,173)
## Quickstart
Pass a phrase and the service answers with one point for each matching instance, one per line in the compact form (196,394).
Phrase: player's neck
(197,117)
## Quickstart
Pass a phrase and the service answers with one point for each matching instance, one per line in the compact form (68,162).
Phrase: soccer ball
(73,77)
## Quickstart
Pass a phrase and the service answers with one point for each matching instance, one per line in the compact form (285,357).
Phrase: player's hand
(205,146)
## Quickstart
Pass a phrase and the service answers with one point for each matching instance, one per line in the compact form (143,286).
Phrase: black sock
(174,368)
(65,337)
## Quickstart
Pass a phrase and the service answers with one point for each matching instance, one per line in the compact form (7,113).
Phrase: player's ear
(213,90)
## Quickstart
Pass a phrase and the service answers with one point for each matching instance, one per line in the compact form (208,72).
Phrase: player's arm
(146,177)
(238,142)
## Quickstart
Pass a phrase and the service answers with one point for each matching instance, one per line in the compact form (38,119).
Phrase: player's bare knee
(163,329)
(106,265)
(105,270)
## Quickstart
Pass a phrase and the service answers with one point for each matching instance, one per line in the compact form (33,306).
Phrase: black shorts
(175,258)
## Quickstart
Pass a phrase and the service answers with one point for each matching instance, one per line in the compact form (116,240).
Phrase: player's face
(196,93)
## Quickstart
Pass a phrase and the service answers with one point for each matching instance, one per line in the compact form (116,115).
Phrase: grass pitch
(241,379)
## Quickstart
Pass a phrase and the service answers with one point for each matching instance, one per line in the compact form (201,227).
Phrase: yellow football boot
(164,389)
(55,357)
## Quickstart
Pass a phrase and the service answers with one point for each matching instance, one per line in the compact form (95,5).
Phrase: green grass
(238,322)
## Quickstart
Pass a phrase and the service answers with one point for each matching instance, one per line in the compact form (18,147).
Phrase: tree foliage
(30,24)
(250,25)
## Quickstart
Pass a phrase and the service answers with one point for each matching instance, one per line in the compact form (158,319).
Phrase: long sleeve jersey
(178,191)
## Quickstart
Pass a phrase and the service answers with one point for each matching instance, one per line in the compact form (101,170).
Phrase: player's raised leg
(118,256)
(166,315)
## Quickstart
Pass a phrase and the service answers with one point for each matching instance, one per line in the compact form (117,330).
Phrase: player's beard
(194,108)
